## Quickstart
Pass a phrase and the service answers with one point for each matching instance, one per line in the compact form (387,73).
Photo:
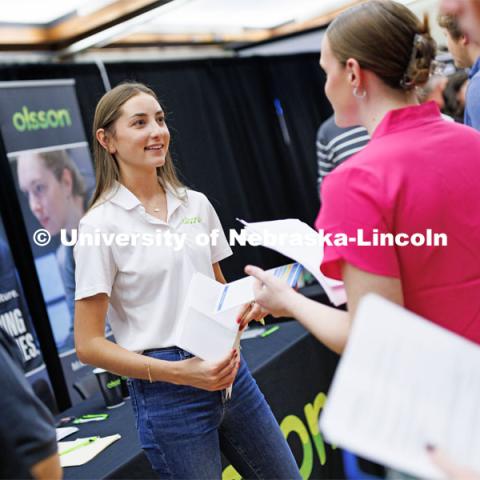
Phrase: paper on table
(63,432)
(402,383)
(84,454)
(297,240)
(253,332)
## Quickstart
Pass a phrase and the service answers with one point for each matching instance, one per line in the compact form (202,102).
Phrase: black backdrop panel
(298,81)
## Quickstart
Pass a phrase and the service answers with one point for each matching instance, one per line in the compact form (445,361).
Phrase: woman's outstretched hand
(271,293)
(207,375)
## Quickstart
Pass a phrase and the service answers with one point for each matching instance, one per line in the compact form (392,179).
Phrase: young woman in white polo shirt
(182,414)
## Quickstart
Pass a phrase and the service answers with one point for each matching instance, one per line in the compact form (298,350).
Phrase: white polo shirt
(146,278)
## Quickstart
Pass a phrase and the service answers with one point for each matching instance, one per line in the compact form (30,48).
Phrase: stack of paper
(295,239)
(63,432)
(403,383)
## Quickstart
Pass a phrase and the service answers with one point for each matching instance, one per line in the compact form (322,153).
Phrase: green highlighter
(271,330)
(86,442)
(91,417)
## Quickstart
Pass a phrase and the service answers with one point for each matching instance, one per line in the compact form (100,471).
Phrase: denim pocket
(133,397)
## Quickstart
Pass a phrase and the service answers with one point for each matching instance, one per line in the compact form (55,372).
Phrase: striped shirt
(335,145)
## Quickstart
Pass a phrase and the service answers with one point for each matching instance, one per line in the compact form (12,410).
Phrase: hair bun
(421,61)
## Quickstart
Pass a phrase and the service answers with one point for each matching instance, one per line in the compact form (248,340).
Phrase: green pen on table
(271,330)
(91,417)
(88,441)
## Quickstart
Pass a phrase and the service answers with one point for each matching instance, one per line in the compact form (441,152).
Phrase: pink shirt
(418,172)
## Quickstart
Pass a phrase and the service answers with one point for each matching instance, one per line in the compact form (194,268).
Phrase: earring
(359,95)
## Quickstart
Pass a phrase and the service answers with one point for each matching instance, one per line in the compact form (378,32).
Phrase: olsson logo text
(25,120)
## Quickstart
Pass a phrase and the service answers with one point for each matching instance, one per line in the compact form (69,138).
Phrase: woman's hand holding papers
(206,375)
(271,293)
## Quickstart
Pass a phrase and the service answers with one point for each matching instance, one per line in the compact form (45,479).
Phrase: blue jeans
(182,429)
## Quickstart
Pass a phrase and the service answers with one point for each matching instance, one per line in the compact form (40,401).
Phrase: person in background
(454,95)
(56,195)
(433,91)
(27,432)
(468,14)
(466,54)
(472,97)
(183,415)
(335,145)
(463,51)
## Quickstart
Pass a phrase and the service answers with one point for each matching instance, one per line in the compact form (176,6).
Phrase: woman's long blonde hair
(107,171)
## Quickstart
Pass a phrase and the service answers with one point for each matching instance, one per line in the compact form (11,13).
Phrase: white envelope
(203,330)
(208,325)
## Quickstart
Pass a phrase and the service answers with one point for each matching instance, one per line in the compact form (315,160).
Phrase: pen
(268,332)
(241,221)
(79,445)
(91,418)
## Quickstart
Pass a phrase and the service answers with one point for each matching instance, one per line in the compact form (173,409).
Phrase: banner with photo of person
(54,178)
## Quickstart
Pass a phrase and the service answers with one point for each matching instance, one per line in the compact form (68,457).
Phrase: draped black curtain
(243,130)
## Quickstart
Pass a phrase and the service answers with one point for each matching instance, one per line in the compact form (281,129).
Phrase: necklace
(156,209)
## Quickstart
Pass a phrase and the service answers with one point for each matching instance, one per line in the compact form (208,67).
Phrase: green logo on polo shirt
(190,220)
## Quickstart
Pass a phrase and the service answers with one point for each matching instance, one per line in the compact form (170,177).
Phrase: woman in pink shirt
(418,173)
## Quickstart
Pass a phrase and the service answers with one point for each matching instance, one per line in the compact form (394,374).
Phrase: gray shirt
(336,144)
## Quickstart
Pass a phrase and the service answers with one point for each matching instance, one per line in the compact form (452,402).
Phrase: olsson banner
(52,169)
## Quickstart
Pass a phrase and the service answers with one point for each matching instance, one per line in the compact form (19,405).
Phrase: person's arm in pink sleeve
(352,201)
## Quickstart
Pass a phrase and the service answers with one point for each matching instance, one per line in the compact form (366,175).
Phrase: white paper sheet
(203,331)
(63,432)
(83,454)
(402,383)
(300,242)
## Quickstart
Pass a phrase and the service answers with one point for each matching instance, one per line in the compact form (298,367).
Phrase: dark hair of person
(453,106)
(386,38)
